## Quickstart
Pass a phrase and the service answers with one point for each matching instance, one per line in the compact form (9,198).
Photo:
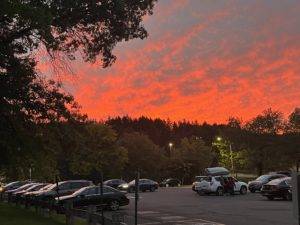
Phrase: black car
(20,195)
(14,185)
(257,184)
(171,182)
(63,188)
(111,198)
(10,193)
(144,185)
(115,183)
(278,188)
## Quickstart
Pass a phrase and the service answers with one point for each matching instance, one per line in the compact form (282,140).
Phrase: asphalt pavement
(182,206)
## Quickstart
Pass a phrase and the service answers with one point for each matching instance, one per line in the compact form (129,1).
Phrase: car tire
(243,190)
(114,205)
(220,191)
(271,198)
(200,192)
(152,188)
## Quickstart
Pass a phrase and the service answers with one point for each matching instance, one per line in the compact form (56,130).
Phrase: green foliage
(98,152)
(190,158)
(143,156)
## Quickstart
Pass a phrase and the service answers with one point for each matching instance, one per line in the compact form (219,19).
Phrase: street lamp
(170,146)
(231,153)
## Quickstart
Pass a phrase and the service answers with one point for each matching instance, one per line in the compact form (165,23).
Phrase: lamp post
(170,146)
(231,153)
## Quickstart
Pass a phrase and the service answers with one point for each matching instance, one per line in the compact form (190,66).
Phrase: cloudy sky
(204,60)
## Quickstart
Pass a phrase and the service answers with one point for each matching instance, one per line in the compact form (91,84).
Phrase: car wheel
(200,192)
(114,205)
(270,198)
(220,191)
(152,189)
(243,190)
(167,185)
(288,196)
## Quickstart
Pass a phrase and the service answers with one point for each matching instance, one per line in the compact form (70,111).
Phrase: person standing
(231,186)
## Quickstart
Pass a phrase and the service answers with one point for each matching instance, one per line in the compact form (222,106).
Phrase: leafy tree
(143,156)
(263,140)
(98,153)
(190,158)
(294,120)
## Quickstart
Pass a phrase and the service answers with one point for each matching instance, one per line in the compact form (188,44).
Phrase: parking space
(182,206)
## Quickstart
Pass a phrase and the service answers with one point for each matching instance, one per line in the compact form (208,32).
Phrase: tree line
(42,128)
(77,147)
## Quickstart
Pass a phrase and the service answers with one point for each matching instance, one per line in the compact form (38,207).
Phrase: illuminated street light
(219,139)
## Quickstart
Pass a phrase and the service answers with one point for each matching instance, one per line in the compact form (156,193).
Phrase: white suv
(212,184)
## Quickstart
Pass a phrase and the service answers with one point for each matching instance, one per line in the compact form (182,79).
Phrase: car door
(64,189)
(237,186)
(142,185)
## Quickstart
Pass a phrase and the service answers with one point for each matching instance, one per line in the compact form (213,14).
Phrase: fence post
(90,212)
(136,197)
(69,213)
(101,198)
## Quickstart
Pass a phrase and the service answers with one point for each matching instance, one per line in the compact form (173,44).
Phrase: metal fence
(48,208)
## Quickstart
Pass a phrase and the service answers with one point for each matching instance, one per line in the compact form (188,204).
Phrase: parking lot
(183,206)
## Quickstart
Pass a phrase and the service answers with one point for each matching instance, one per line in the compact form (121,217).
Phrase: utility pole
(136,197)
(101,196)
(231,158)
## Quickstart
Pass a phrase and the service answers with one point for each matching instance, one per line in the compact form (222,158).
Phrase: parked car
(144,185)
(257,184)
(9,193)
(288,173)
(20,195)
(171,182)
(13,185)
(115,183)
(29,197)
(278,188)
(91,195)
(64,188)
(197,179)
(212,184)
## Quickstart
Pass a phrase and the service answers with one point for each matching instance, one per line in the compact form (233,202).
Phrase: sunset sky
(204,60)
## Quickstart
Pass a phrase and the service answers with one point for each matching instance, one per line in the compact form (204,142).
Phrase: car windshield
(263,178)
(11,184)
(277,181)
(46,187)
(81,191)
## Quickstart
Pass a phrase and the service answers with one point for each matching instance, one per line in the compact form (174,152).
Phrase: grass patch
(14,215)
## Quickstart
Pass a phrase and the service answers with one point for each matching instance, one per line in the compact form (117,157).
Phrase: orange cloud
(203,60)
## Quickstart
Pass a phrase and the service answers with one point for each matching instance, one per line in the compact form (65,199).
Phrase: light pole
(231,153)
(170,146)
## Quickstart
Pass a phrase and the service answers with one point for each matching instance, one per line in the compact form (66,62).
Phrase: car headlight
(125,185)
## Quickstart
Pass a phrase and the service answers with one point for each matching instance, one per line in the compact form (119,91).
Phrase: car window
(64,186)
(208,179)
(76,185)
(92,191)
(108,190)
(288,182)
